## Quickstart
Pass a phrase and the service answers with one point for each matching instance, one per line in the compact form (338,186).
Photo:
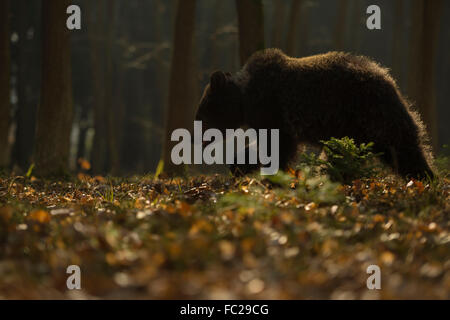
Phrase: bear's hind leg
(411,162)
(398,132)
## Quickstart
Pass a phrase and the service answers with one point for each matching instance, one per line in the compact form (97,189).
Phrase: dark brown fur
(315,98)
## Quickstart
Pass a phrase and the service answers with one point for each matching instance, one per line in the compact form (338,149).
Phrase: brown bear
(315,98)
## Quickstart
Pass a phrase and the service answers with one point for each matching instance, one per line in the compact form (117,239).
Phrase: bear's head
(221,104)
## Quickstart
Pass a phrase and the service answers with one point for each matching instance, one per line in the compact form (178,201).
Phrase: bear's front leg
(287,150)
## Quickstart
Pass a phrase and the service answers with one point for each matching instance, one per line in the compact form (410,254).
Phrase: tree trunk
(99,152)
(214,43)
(113,91)
(294,19)
(54,117)
(357,26)
(304,28)
(162,81)
(5,60)
(397,40)
(341,22)
(426,18)
(26,58)
(278,23)
(182,93)
(251,27)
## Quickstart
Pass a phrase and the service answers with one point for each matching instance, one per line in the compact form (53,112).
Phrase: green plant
(107,193)
(318,188)
(30,171)
(345,161)
(159,168)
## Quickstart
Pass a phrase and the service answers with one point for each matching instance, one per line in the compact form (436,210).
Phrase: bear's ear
(218,80)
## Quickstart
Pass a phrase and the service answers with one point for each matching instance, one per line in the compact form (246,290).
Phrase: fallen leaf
(40,216)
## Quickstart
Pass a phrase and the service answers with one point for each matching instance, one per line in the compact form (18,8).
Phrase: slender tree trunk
(159,75)
(426,20)
(357,25)
(215,47)
(112,93)
(251,27)
(294,20)
(161,66)
(397,40)
(81,117)
(182,95)
(341,22)
(415,59)
(5,63)
(118,121)
(99,152)
(54,117)
(28,77)
(278,23)
(304,27)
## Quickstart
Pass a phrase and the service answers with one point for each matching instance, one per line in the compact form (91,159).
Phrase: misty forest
(89,99)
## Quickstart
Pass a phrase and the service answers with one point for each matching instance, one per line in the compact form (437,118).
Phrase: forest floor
(216,237)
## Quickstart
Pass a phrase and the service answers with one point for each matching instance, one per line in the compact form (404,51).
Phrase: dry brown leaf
(40,216)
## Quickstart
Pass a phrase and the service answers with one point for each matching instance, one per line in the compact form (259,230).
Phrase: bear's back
(273,63)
